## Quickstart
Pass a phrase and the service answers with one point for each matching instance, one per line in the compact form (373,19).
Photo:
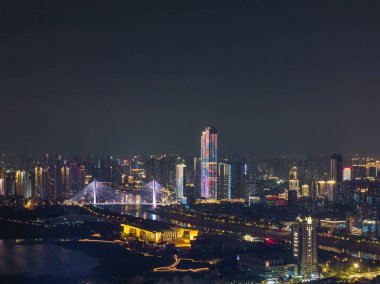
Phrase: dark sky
(146,76)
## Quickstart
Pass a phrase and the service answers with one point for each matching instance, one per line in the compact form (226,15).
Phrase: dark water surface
(44,259)
(70,262)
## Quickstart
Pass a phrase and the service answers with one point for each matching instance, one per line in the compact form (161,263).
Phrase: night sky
(275,77)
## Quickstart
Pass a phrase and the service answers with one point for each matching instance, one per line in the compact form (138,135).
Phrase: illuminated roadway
(177,260)
(170,268)
(240,229)
(235,228)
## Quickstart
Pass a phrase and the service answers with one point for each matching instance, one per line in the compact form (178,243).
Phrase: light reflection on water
(354,253)
(141,211)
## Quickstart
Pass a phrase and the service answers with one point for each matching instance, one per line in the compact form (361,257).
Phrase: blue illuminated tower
(209,163)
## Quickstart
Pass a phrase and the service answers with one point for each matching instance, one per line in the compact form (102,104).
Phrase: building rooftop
(150,226)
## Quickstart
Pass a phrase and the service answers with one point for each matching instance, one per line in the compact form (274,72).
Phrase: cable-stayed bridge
(100,193)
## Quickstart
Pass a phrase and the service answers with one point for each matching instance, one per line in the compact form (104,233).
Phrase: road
(231,227)
(239,229)
(267,233)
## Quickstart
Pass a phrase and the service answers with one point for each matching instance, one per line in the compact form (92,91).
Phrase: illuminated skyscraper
(336,170)
(305,190)
(23,187)
(195,177)
(20,176)
(64,183)
(51,184)
(346,174)
(196,172)
(294,184)
(180,177)
(209,163)
(238,178)
(314,190)
(2,182)
(10,184)
(304,247)
(78,175)
(2,187)
(293,181)
(331,190)
(38,182)
(225,180)
(322,188)
(293,173)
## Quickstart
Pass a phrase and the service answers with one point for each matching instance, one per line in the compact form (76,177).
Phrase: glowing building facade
(293,183)
(331,190)
(2,187)
(304,247)
(346,174)
(180,177)
(305,190)
(225,185)
(51,184)
(38,183)
(209,163)
(23,184)
(2,182)
(159,234)
(20,178)
(65,190)
(322,188)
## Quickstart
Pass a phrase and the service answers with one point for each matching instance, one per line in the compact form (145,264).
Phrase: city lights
(189,142)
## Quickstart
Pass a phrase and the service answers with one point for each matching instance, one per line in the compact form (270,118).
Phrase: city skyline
(196,153)
(275,215)
(210,141)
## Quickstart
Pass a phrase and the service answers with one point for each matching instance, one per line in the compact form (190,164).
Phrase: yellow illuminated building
(38,182)
(159,234)
(87,179)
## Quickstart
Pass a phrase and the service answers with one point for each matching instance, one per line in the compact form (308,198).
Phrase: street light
(356,266)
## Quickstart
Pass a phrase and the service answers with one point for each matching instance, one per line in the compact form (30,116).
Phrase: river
(142,211)
(353,253)
(36,260)
(72,262)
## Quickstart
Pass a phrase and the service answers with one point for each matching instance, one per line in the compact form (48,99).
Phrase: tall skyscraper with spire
(209,163)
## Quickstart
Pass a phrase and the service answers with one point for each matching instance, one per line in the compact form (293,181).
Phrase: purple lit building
(209,163)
